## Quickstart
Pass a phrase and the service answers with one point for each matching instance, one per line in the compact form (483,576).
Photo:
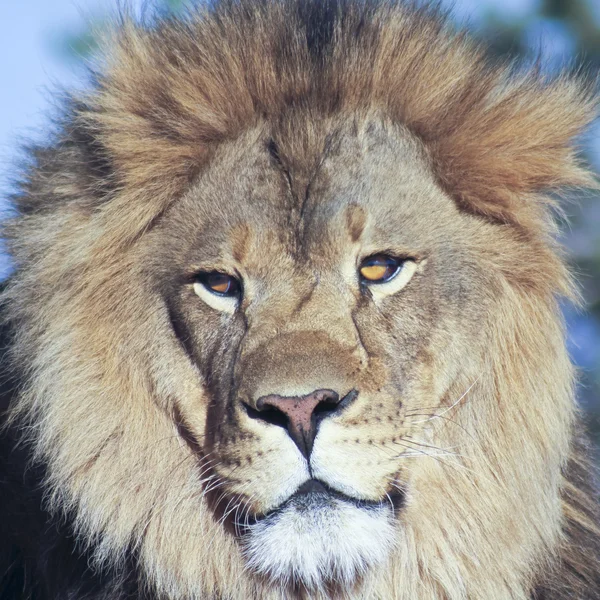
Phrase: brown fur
(283,140)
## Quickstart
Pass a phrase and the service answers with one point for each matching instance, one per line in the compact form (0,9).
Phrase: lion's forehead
(281,207)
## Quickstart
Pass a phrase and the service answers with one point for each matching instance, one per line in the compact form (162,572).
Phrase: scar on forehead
(240,241)
(356,219)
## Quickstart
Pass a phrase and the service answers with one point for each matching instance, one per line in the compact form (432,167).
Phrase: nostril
(326,408)
(267,414)
(347,400)
(331,404)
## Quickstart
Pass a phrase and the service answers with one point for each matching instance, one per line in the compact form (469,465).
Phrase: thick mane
(101,365)
(169,92)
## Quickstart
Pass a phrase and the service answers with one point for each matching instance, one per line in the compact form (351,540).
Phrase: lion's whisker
(424,445)
(446,419)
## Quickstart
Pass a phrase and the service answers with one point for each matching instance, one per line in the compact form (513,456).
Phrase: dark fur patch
(320,20)
(40,558)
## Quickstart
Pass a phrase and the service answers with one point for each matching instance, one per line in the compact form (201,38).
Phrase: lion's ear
(516,140)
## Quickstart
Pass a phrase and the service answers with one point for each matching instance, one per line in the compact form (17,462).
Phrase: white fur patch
(316,539)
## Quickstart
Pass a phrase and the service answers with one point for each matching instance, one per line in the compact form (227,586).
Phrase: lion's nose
(300,415)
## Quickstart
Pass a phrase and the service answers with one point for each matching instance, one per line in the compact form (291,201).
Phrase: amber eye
(220,283)
(379,268)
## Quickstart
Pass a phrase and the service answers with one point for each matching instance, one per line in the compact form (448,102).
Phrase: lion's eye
(220,283)
(379,268)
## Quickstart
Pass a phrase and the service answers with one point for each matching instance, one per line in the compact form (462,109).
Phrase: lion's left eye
(220,283)
(379,268)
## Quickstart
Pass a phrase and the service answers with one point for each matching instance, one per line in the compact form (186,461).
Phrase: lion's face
(327,314)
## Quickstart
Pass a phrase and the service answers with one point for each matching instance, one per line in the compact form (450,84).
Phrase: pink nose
(300,415)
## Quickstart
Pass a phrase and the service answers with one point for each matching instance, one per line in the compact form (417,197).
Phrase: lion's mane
(93,371)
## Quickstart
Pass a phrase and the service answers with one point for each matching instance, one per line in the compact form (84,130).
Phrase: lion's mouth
(315,494)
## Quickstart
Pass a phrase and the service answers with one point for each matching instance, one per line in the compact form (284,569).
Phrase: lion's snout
(295,381)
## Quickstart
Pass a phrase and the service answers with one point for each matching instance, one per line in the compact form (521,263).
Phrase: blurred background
(45,44)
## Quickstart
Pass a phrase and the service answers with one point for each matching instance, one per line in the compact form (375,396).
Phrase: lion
(284,320)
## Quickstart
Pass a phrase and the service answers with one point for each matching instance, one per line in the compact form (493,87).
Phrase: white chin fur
(316,539)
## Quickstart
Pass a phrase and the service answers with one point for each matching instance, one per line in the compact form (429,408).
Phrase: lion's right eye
(379,268)
(220,283)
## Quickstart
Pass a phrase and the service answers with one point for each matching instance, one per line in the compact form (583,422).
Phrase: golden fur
(117,398)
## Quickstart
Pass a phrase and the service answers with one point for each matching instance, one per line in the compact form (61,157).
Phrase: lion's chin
(318,538)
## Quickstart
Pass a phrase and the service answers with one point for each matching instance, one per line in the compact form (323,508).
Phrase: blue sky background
(40,41)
